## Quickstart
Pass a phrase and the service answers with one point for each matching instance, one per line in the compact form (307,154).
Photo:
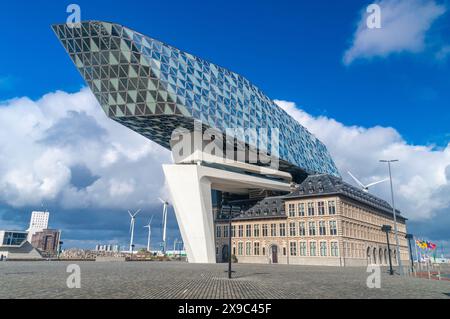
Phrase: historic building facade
(325,221)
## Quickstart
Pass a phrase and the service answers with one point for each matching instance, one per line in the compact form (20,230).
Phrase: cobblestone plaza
(176,280)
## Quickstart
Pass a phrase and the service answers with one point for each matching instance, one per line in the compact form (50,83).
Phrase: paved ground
(181,280)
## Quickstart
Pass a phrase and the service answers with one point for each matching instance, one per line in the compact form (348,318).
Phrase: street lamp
(387,229)
(409,237)
(230,219)
(395,216)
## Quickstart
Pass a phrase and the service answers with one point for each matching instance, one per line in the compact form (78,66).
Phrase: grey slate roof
(321,185)
(267,208)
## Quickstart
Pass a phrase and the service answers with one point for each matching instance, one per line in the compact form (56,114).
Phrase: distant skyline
(366,95)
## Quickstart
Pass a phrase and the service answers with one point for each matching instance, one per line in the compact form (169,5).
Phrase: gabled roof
(322,185)
(267,208)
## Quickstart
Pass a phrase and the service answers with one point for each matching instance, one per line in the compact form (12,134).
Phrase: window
(282,230)
(334,249)
(273,230)
(332,207)
(301,209)
(323,248)
(256,230)
(217,250)
(256,248)
(322,228)
(248,248)
(265,232)
(291,209)
(284,251)
(301,229)
(225,231)
(248,230)
(293,246)
(303,248)
(264,251)
(333,228)
(312,248)
(233,231)
(321,208)
(241,231)
(291,229)
(310,209)
(312,229)
(240,248)
(218,231)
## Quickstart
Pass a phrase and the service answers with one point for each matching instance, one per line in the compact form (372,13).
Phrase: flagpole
(417,252)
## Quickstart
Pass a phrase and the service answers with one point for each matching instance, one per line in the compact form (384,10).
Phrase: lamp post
(230,219)
(409,237)
(395,216)
(387,229)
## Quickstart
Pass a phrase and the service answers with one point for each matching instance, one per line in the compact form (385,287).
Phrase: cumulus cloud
(422,182)
(443,53)
(63,149)
(404,28)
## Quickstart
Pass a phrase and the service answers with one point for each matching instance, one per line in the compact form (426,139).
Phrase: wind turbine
(149,226)
(164,220)
(365,188)
(133,220)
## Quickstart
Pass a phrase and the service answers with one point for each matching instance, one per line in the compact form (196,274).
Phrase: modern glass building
(153,89)
(12,238)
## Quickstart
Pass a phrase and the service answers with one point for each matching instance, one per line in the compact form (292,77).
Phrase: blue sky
(293,50)
(290,49)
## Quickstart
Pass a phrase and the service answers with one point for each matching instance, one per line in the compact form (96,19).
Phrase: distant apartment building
(38,222)
(325,221)
(107,248)
(47,242)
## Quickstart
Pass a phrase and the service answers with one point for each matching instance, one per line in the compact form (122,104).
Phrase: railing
(428,270)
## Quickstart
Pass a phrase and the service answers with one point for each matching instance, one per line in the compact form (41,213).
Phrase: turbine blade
(356,180)
(375,183)
(137,212)
(161,200)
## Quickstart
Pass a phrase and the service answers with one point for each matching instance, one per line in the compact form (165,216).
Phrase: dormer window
(320,186)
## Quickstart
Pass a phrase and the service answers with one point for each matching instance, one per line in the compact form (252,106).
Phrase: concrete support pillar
(191,198)
(190,187)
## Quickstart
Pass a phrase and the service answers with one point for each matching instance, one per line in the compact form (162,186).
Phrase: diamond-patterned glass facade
(153,88)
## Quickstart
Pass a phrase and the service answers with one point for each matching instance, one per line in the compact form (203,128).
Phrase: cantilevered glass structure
(154,88)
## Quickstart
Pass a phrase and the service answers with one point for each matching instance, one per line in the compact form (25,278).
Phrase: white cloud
(404,28)
(43,140)
(421,177)
(443,53)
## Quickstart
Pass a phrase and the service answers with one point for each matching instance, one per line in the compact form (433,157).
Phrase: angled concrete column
(191,196)
(190,187)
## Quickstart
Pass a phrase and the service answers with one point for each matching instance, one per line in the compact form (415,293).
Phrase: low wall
(110,259)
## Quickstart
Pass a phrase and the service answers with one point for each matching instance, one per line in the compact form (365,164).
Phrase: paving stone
(176,280)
